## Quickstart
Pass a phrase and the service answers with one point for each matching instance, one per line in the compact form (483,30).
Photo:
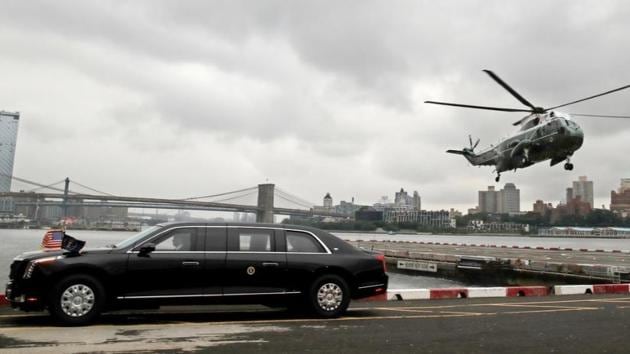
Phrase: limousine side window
(216,239)
(181,240)
(300,242)
(252,240)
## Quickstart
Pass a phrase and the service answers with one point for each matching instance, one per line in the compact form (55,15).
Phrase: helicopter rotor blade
(476,143)
(588,98)
(479,107)
(470,140)
(597,115)
(520,121)
(509,89)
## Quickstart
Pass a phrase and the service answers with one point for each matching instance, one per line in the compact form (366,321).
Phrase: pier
(502,265)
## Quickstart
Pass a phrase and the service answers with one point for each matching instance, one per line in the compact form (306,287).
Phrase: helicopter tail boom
(467,153)
(458,152)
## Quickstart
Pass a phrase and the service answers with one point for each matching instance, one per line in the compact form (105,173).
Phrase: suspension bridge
(68,193)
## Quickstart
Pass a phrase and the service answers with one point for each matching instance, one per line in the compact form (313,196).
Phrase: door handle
(190,264)
(271,264)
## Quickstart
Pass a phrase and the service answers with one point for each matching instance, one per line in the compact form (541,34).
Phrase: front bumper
(24,300)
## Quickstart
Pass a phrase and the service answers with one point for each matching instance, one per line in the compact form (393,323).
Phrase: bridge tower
(66,189)
(265,203)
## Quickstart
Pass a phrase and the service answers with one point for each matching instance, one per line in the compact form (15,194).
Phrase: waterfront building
(575,206)
(582,188)
(8,139)
(417,202)
(383,203)
(488,200)
(347,208)
(507,200)
(620,200)
(511,227)
(368,214)
(403,200)
(542,208)
(328,201)
(510,199)
(435,219)
(621,232)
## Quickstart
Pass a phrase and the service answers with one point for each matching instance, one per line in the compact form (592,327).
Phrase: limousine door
(253,266)
(174,269)
(214,265)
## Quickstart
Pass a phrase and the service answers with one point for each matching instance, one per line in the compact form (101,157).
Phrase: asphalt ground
(561,256)
(560,324)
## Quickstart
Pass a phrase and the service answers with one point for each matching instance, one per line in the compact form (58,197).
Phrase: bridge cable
(221,194)
(231,198)
(295,199)
(92,189)
(293,202)
(34,183)
(48,186)
(287,194)
(308,206)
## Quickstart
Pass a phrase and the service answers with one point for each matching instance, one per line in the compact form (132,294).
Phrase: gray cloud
(317,96)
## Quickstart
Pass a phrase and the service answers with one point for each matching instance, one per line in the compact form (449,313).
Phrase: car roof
(276,226)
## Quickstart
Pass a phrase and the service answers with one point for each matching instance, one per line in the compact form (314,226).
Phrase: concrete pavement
(568,324)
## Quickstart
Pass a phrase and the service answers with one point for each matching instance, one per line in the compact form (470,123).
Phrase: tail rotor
(466,151)
(472,147)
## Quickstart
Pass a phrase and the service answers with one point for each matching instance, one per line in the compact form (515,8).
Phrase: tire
(329,296)
(77,300)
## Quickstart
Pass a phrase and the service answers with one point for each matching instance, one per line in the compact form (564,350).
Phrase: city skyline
(154,99)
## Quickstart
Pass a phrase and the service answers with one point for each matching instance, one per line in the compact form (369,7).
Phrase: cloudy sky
(179,99)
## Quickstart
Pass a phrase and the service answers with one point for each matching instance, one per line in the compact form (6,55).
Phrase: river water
(14,242)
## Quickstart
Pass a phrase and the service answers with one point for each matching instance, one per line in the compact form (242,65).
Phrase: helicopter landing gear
(568,166)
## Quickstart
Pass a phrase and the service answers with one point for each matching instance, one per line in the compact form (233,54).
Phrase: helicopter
(543,134)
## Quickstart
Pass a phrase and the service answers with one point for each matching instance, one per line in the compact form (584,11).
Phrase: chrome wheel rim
(77,300)
(329,296)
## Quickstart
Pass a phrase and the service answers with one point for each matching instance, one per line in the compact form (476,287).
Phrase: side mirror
(146,249)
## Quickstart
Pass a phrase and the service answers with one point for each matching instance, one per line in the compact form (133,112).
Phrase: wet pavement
(490,325)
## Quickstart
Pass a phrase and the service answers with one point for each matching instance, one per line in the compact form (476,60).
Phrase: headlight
(30,268)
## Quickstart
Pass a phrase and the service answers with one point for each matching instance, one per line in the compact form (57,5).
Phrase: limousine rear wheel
(77,299)
(329,296)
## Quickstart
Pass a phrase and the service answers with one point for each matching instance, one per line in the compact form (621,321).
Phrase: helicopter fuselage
(547,136)
(544,134)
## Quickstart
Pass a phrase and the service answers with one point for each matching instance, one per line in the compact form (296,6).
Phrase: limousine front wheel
(329,296)
(77,300)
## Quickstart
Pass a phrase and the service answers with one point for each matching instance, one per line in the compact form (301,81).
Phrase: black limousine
(198,263)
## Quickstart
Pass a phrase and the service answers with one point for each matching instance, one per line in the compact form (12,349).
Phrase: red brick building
(575,206)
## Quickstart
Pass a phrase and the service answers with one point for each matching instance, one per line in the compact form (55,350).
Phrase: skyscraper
(510,199)
(328,201)
(8,138)
(417,201)
(488,200)
(507,200)
(583,188)
(620,201)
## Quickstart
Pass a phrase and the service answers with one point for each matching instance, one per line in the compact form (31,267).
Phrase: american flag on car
(52,239)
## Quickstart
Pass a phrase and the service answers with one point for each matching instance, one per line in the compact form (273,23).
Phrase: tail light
(381,258)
